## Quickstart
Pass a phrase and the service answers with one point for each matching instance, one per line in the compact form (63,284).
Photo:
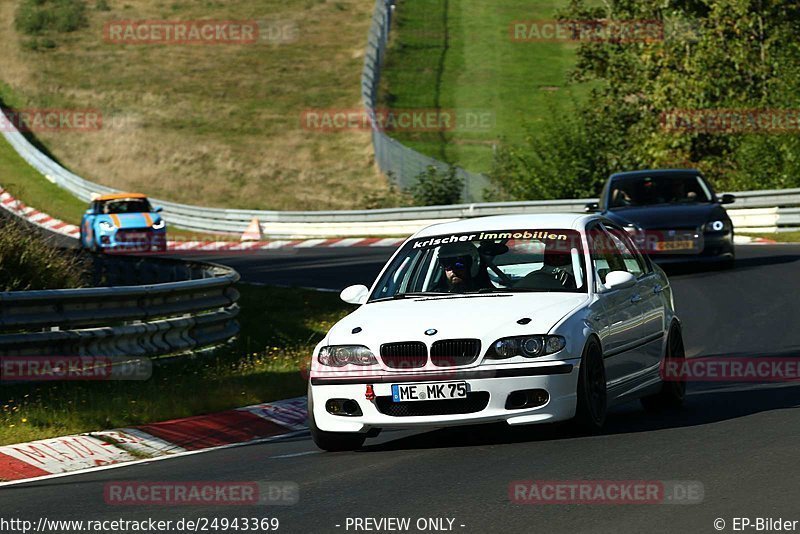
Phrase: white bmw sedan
(517,318)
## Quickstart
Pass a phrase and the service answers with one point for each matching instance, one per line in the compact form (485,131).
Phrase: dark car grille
(454,352)
(404,355)
(475,402)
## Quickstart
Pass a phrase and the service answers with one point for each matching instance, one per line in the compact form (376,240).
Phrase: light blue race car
(123,222)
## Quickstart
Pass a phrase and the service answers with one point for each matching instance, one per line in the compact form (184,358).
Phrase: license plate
(674,245)
(422,392)
(135,236)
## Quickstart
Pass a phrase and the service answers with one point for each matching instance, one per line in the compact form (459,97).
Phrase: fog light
(343,407)
(527,398)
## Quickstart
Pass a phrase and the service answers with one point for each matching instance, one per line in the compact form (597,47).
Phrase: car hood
(669,216)
(487,317)
(130,220)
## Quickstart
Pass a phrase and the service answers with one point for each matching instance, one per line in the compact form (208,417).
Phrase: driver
(558,262)
(460,262)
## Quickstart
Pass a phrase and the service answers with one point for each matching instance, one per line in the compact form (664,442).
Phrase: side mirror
(592,207)
(158,209)
(90,211)
(727,198)
(620,280)
(355,294)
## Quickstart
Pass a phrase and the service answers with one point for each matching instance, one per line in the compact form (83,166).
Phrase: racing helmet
(451,251)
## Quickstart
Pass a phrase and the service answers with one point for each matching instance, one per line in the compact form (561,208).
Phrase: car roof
(120,196)
(661,173)
(533,221)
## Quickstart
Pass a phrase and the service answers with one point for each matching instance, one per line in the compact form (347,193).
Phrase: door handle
(636,298)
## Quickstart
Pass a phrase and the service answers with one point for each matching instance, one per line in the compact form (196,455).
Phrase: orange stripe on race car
(116,220)
(148,219)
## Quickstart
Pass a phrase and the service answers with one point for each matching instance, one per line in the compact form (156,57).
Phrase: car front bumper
(559,379)
(152,240)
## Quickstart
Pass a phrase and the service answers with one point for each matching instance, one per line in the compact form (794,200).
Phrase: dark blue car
(672,214)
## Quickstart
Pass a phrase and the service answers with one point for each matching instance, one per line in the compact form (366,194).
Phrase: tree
(714,55)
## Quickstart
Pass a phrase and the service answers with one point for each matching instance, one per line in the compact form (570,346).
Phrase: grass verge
(459,55)
(780,237)
(25,183)
(216,125)
(279,329)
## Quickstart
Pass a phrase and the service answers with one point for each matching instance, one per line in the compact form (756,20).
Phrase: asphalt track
(738,440)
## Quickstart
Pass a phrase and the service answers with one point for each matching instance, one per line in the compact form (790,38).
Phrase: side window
(634,263)
(605,254)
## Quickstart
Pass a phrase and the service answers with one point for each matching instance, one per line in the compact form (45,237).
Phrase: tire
(673,392)
(592,403)
(333,441)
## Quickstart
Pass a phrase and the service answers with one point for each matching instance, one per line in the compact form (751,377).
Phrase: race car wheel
(333,441)
(592,395)
(673,392)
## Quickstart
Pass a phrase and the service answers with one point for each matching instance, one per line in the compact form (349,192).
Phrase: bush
(437,187)
(28,261)
(102,5)
(568,157)
(37,16)
(392,197)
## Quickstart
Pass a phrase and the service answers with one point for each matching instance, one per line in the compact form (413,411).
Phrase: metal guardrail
(391,221)
(380,222)
(127,320)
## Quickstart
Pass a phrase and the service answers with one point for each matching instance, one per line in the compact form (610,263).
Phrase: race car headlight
(159,224)
(715,226)
(106,226)
(527,346)
(341,355)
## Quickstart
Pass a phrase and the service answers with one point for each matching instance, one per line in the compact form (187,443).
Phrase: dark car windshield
(126,206)
(651,190)
(491,261)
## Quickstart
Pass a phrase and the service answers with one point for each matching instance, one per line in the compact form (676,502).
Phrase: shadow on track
(753,262)
(705,404)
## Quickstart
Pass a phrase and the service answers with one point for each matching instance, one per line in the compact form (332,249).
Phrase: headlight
(341,355)
(106,226)
(158,225)
(527,346)
(715,226)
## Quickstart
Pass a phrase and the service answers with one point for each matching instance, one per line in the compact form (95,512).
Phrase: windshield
(489,261)
(126,206)
(650,190)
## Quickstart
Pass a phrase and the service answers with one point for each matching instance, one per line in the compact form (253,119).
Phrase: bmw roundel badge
(431,332)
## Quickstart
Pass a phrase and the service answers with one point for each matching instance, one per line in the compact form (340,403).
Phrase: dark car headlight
(527,346)
(106,226)
(716,226)
(159,224)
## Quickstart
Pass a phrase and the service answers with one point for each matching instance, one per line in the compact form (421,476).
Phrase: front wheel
(333,441)
(592,405)
(673,392)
